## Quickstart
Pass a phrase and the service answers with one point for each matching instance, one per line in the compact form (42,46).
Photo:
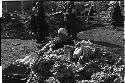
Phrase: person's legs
(34,27)
(42,32)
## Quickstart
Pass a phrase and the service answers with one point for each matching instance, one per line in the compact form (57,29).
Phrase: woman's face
(62,36)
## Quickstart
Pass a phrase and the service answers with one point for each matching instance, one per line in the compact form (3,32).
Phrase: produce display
(91,64)
(85,62)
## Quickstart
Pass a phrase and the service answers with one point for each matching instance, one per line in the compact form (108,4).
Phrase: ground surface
(13,49)
(105,34)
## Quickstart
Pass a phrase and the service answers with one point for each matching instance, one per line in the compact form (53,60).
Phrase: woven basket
(15,74)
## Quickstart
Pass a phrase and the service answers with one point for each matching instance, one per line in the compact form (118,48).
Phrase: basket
(15,74)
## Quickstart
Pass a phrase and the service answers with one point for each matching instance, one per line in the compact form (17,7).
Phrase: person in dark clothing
(34,27)
(72,23)
(117,18)
(42,24)
(92,13)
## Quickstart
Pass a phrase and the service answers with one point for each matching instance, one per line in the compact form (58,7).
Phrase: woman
(34,27)
(117,18)
(59,42)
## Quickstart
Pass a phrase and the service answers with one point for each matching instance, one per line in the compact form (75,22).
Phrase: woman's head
(62,32)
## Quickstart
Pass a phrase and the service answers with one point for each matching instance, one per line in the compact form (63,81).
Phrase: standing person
(34,27)
(117,18)
(92,12)
(42,24)
(72,21)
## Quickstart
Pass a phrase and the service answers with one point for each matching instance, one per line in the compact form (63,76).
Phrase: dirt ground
(106,34)
(13,49)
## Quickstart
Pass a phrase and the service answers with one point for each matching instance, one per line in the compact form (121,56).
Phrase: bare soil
(13,49)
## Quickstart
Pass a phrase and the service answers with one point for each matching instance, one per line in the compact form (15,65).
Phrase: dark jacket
(117,18)
(60,44)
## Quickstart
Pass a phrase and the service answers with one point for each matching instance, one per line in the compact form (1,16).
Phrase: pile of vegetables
(83,63)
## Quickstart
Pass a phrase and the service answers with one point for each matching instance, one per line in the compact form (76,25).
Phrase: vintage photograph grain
(62,41)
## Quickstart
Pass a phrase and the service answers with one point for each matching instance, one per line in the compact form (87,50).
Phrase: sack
(15,74)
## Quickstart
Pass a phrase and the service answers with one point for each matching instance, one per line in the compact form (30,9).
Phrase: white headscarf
(63,31)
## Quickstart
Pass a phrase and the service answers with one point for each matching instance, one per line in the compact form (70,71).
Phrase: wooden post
(98,11)
(22,9)
(6,7)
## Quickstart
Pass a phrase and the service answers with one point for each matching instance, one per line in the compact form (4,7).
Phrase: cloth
(60,44)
